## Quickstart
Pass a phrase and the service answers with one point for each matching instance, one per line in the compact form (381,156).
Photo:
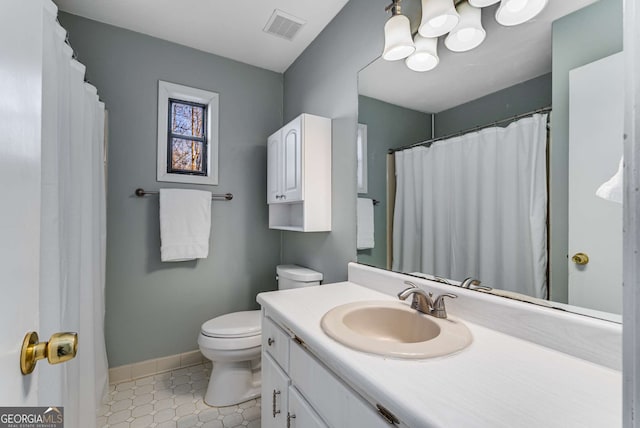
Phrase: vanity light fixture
(514,12)
(462,20)
(398,43)
(468,34)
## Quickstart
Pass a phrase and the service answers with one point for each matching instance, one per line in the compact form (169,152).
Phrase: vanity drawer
(338,404)
(275,342)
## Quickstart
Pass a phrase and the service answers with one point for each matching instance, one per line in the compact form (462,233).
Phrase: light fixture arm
(395,8)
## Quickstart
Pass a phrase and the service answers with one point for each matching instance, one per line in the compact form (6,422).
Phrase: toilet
(233,343)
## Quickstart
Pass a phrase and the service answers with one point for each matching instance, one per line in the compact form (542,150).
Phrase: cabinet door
(275,394)
(274,170)
(300,412)
(338,404)
(292,161)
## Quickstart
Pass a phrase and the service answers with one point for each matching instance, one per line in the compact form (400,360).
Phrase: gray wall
(578,39)
(323,81)
(521,98)
(155,309)
(388,126)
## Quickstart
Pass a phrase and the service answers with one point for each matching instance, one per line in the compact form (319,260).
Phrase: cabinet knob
(270,341)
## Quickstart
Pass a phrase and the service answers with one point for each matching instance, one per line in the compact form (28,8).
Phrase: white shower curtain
(73,230)
(476,205)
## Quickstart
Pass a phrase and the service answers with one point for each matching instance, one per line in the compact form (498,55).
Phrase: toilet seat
(235,325)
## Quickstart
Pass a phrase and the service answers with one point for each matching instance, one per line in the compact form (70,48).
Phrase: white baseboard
(158,365)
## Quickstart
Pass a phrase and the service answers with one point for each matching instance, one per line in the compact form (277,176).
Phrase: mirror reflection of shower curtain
(476,205)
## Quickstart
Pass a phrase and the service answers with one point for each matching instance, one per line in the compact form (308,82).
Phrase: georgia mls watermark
(31,417)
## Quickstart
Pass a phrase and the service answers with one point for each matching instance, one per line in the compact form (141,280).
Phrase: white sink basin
(394,329)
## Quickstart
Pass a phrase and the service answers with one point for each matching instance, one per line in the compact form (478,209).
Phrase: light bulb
(438,21)
(466,34)
(516,5)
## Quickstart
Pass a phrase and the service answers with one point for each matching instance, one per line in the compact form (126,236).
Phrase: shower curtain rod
(476,128)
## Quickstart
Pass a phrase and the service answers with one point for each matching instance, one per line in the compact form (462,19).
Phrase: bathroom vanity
(505,377)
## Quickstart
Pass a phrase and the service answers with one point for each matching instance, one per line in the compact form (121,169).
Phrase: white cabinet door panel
(273,168)
(329,396)
(275,391)
(292,161)
(300,412)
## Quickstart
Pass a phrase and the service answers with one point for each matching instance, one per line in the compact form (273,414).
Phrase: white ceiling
(233,29)
(508,56)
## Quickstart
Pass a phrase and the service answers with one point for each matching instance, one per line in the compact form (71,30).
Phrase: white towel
(612,189)
(185,224)
(365,224)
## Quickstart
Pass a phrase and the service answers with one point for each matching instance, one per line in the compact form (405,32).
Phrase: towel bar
(140,192)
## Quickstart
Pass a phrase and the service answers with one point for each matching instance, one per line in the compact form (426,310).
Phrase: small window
(187,134)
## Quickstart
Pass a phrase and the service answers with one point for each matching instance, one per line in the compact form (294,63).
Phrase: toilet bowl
(233,343)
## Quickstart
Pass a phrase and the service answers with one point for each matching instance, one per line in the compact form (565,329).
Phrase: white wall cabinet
(298,390)
(299,175)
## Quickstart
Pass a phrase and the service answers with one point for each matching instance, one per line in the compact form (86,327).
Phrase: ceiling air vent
(283,25)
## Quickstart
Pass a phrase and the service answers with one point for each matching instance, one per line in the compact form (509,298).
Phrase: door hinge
(387,415)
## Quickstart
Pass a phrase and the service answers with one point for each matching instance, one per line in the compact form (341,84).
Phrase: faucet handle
(439,310)
(407,291)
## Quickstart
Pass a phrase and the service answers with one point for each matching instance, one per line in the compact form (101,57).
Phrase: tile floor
(174,400)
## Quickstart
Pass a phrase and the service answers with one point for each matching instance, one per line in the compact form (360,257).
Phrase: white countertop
(498,381)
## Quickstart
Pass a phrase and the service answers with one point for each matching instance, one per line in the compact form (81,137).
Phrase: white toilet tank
(294,276)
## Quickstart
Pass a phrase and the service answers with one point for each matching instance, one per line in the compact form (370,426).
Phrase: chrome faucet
(423,301)
(473,284)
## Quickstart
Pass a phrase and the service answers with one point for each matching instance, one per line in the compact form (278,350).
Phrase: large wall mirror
(488,165)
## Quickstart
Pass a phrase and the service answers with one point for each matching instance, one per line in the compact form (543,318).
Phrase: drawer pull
(289,417)
(273,402)
(387,415)
(271,341)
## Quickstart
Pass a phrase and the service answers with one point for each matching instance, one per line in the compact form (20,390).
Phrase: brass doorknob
(61,347)
(580,259)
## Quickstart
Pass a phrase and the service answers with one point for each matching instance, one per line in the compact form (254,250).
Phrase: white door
(20,125)
(292,161)
(274,173)
(596,117)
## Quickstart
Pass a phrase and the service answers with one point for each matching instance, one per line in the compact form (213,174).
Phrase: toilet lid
(236,324)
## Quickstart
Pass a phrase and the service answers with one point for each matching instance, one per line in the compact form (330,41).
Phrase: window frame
(168,92)
(170,136)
